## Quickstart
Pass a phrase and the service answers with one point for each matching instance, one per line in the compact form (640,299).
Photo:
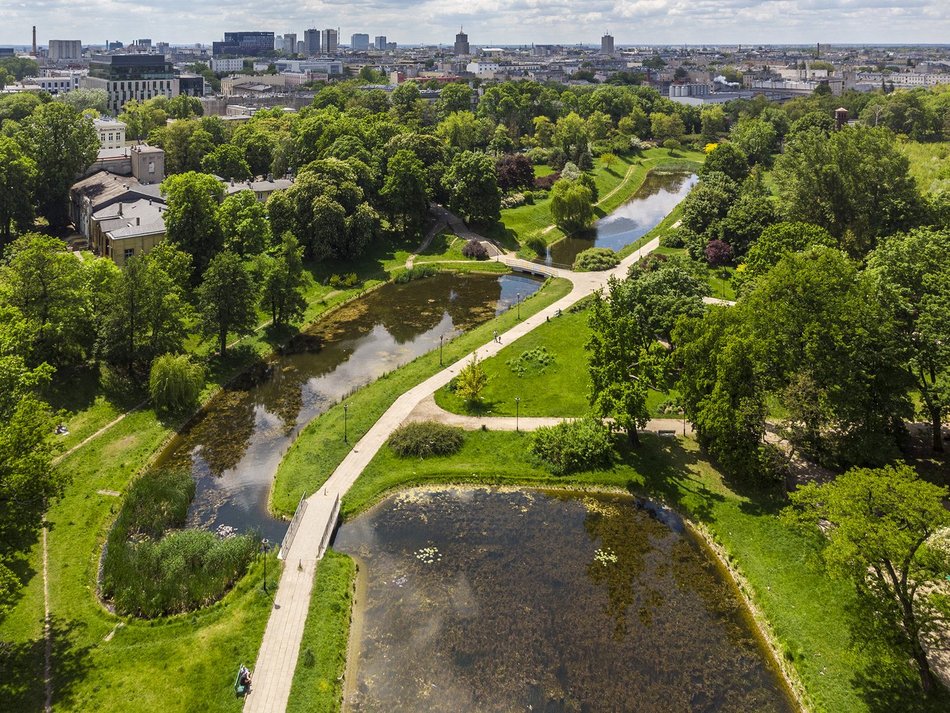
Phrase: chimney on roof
(120,209)
(138,221)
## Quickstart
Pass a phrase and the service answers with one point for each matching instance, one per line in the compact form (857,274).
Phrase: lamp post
(265,545)
(519,306)
(440,349)
(346,407)
(517,412)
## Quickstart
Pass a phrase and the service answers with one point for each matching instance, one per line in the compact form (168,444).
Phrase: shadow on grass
(504,236)
(21,685)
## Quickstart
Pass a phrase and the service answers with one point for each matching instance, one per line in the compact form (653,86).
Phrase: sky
(488,22)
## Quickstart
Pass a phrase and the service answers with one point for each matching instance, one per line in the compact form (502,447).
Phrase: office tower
(607,44)
(131,76)
(461,43)
(359,42)
(311,42)
(245,44)
(381,43)
(331,41)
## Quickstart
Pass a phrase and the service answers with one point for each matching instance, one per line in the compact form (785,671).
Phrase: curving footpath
(277,658)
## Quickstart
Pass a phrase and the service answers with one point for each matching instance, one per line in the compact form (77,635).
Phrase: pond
(233,449)
(488,600)
(655,199)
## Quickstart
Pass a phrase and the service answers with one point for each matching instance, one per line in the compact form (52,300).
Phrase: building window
(127,253)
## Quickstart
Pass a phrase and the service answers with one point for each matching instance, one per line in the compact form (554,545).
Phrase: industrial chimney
(34,40)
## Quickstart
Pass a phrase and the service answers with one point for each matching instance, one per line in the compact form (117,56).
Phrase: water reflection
(658,195)
(235,448)
(502,601)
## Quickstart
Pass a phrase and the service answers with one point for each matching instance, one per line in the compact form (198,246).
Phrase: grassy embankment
(615,185)
(179,663)
(928,161)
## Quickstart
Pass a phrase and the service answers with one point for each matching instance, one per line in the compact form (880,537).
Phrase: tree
(227,298)
(728,159)
(18,175)
(228,162)
(406,102)
(666,126)
(455,97)
(281,281)
(757,139)
(471,381)
(572,205)
(775,242)
(708,203)
(244,225)
(186,143)
(661,291)
(570,135)
(64,144)
(718,253)
(142,118)
(405,191)
(514,171)
(473,187)
(915,268)
(20,67)
(191,221)
(625,361)
(174,383)
(877,527)
(746,219)
(83,99)
(184,107)
(714,123)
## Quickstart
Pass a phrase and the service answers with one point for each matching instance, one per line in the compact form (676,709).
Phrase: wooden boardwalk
(277,659)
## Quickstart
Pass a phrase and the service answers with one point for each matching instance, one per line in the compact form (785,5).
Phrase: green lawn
(317,686)
(320,448)
(562,387)
(927,161)
(625,176)
(806,611)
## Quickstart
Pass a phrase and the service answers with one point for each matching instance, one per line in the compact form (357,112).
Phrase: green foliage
(405,191)
(226,299)
(142,118)
(416,272)
(20,67)
(345,282)
(244,225)
(572,205)
(472,186)
(727,158)
(535,360)
(422,439)
(83,99)
(186,144)
(537,244)
(777,241)
(191,221)
(18,175)
(756,138)
(175,383)
(282,280)
(572,446)
(228,162)
(150,572)
(596,259)
(471,381)
(63,143)
(882,527)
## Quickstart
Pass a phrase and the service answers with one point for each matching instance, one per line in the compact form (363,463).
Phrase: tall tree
(473,187)
(572,205)
(282,278)
(228,162)
(64,144)
(191,221)
(878,526)
(17,180)
(915,269)
(405,191)
(227,298)
(244,224)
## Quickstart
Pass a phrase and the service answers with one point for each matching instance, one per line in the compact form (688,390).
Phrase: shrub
(471,381)
(426,438)
(175,382)
(537,359)
(513,200)
(149,573)
(596,259)
(572,446)
(544,183)
(673,239)
(416,272)
(342,282)
(538,155)
(474,249)
(718,253)
(537,244)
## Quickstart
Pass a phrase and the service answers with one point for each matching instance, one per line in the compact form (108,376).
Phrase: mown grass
(624,176)
(320,448)
(928,161)
(808,613)
(317,685)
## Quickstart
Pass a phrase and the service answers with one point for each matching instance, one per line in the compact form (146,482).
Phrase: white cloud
(489,21)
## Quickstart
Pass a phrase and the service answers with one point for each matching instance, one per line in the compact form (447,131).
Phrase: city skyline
(489,22)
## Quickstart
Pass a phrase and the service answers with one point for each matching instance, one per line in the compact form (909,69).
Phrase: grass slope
(927,161)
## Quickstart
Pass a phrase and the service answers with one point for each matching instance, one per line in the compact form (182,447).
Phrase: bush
(596,259)
(416,272)
(426,438)
(175,383)
(538,155)
(149,573)
(673,239)
(474,249)
(572,446)
(545,183)
(718,253)
(342,282)
(537,244)
(513,200)
(534,360)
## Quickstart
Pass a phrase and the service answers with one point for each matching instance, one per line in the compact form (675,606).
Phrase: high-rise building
(331,41)
(131,76)
(607,44)
(287,44)
(245,44)
(461,43)
(311,42)
(380,43)
(359,42)
(60,50)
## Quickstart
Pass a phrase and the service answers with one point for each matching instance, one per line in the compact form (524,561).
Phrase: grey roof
(103,188)
(127,220)
(258,185)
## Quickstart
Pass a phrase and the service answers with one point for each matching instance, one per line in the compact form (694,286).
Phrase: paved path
(277,659)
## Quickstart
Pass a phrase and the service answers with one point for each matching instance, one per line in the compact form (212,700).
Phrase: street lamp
(265,545)
(440,349)
(519,306)
(517,412)
(346,408)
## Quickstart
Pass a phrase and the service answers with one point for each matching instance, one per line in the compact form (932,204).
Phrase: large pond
(234,448)
(655,199)
(486,600)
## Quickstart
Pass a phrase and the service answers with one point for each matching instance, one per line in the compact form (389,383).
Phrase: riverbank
(106,672)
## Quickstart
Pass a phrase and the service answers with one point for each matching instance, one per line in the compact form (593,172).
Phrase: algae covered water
(486,600)
(233,449)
